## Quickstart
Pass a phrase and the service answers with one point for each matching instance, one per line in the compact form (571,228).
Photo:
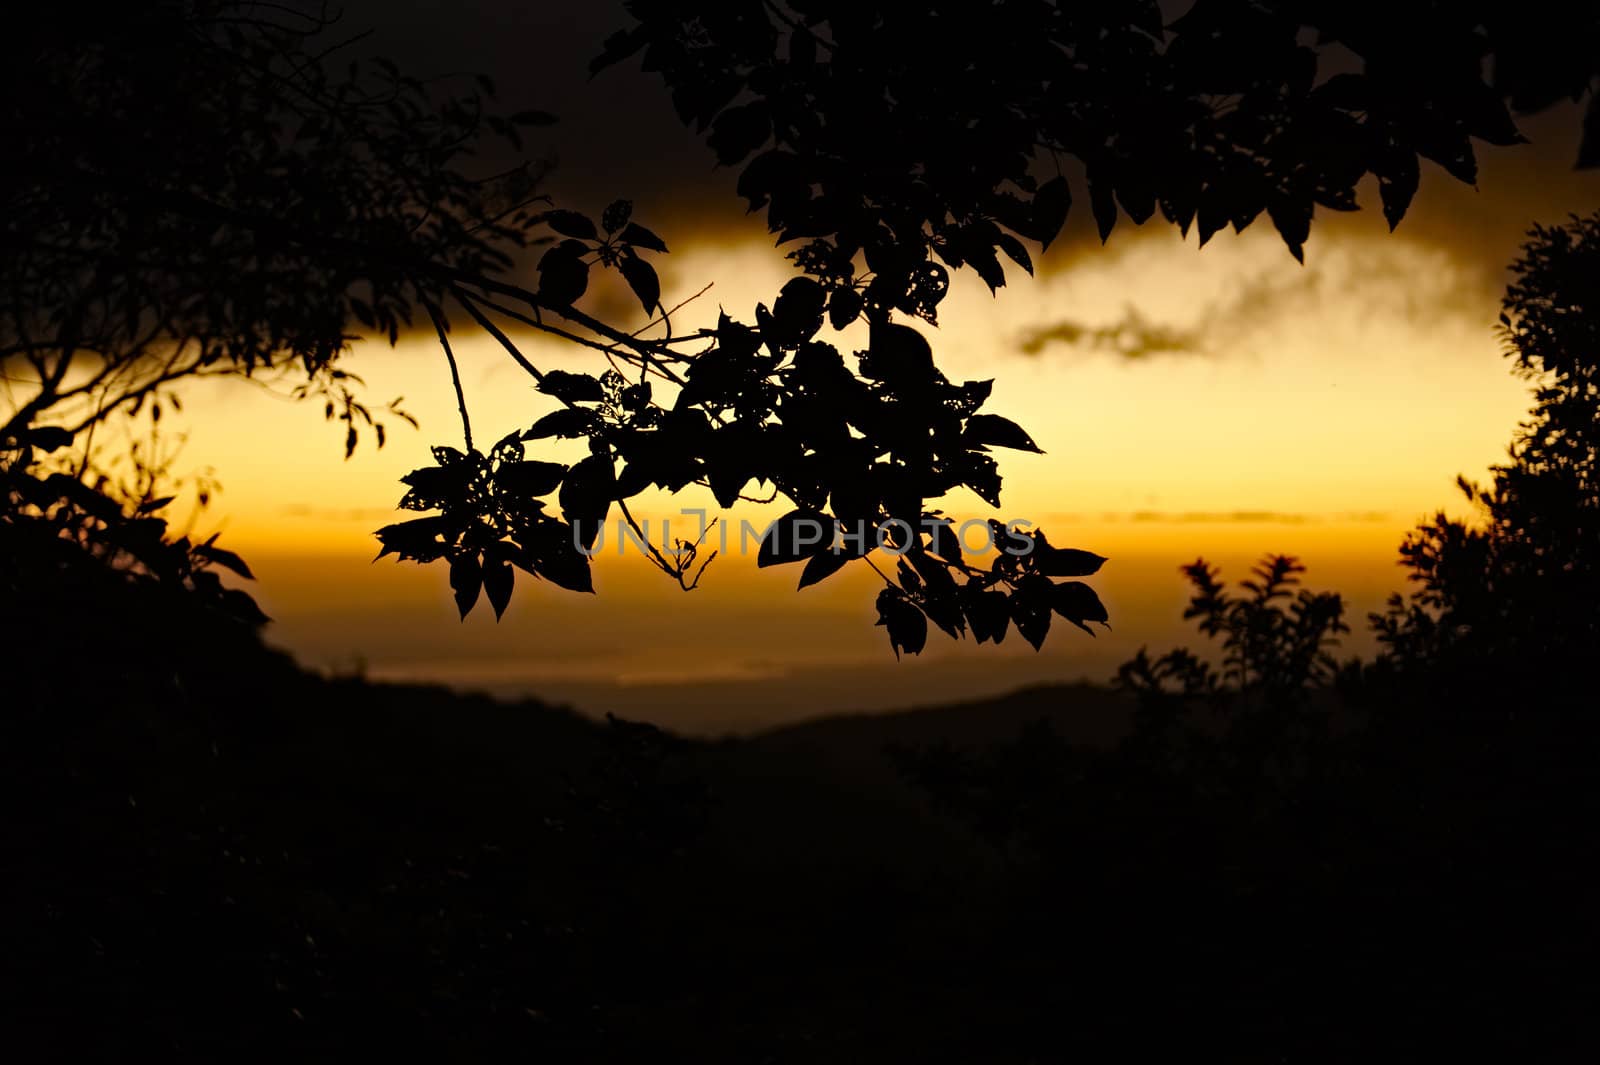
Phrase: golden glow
(1324,411)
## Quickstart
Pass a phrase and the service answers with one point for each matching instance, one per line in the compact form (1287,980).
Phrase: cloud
(1132,337)
(1387,277)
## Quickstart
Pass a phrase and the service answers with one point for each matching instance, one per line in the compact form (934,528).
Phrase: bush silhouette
(1506,602)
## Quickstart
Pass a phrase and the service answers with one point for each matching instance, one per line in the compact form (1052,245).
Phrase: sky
(1222,402)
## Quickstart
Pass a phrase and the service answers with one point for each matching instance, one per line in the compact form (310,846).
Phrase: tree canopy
(1508,600)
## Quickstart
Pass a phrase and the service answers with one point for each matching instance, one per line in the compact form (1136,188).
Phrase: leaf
(553,555)
(899,355)
(568,424)
(49,437)
(466,579)
(529,478)
(797,312)
(417,540)
(563,275)
(641,277)
(586,496)
(1103,205)
(908,628)
(995,431)
(616,215)
(572,387)
(1293,221)
(844,307)
(1397,184)
(987,266)
(243,606)
(821,566)
(1068,562)
(151,505)
(1078,603)
(1015,251)
(988,612)
(1030,610)
(571,224)
(640,237)
(795,536)
(498,579)
(1050,206)
(224,558)
(944,542)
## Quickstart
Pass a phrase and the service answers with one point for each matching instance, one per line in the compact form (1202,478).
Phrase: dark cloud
(617,134)
(1132,337)
(1393,277)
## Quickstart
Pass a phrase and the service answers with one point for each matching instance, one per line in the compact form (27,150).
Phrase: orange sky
(1322,411)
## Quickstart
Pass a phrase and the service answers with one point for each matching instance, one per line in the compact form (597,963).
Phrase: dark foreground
(211,855)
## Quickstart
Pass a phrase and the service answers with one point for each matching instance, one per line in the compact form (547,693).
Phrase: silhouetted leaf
(571,387)
(1015,251)
(529,478)
(1103,205)
(48,437)
(899,356)
(797,312)
(571,224)
(1030,610)
(994,431)
(1050,206)
(569,424)
(641,277)
(242,605)
(563,275)
(988,612)
(1067,562)
(1397,184)
(226,559)
(555,557)
(844,307)
(466,579)
(640,237)
(586,496)
(1293,221)
(821,566)
(908,628)
(794,537)
(616,215)
(1078,603)
(498,579)
(944,542)
(418,540)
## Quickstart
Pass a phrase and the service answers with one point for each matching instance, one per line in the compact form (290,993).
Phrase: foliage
(1276,639)
(1511,596)
(192,191)
(920,131)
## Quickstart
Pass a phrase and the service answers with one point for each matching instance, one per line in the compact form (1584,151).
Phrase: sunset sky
(1319,410)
